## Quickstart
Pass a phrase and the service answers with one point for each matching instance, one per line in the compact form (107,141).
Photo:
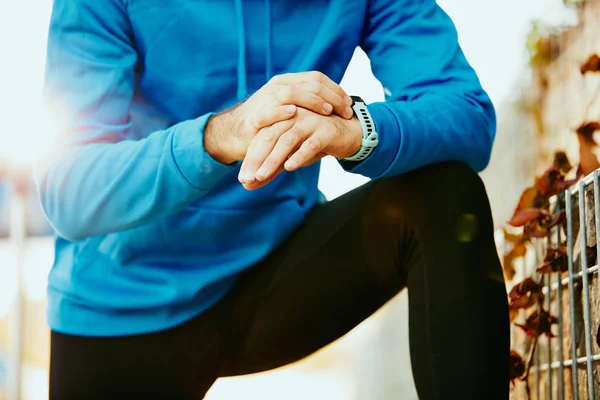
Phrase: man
(192,242)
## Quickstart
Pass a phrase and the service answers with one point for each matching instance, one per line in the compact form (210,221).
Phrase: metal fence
(573,297)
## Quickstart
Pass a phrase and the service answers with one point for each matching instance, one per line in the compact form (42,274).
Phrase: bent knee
(452,178)
(438,183)
(437,194)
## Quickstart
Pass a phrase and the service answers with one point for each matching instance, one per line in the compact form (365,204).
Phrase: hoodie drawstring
(269,65)
(242,84)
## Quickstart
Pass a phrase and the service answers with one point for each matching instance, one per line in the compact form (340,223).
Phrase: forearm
(440,127)
(97,188)
(436,109)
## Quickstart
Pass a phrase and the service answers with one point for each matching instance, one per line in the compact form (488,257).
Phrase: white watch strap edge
(370,138)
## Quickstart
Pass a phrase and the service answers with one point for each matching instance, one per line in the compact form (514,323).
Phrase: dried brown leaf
(586,132)
(525,294)
(588,162)
(592,64)
(550,184)
(540,320)
(562,162)
(526,216)
(528,199)
(517,366)
(555,261)
(540,227)
(547,181)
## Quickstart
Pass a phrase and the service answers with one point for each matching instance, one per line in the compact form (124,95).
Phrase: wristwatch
(370,138)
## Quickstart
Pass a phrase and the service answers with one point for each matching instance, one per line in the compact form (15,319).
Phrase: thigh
(178,363)
(322,282)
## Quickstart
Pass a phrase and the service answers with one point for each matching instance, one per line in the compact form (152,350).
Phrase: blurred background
(500,39)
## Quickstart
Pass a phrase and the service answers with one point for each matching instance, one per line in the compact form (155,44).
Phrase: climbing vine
(534,218)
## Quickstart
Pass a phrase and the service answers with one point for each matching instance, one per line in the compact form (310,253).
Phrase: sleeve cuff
(382,157)
(195,164)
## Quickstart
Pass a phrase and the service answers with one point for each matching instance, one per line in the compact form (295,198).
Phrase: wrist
(351,134)
(215,141)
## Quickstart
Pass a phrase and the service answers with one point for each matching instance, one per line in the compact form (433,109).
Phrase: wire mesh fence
(566,366)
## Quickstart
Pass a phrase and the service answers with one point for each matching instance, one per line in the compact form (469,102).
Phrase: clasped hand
(291,122)
(296,143)
(305,138)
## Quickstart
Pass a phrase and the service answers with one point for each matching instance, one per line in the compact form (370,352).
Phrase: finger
(300,97)
(313,160)
(325,80)
(286,145)
(271,115)
(309,150)
(258,184)
(329,96)
(295,78)
(259,149)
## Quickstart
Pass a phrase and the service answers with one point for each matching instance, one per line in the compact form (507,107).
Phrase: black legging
(429,230)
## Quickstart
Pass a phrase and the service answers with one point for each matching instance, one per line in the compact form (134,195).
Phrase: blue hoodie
(151,230)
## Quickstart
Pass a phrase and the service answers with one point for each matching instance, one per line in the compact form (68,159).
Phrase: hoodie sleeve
(96,181)
(435,108)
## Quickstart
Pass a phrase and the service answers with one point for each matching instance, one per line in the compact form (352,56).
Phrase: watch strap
(370,138)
